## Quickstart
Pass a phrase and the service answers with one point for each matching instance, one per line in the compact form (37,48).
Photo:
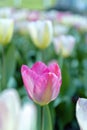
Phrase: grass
(31,4)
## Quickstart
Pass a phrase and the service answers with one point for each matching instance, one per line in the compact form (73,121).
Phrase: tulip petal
(28,117)
(44,90)
(28,78)
(11,100)
(81,112)
(41,33)
(33,31)
(40,68)
(6,30)
(4,118)
(47,33)
(54,68)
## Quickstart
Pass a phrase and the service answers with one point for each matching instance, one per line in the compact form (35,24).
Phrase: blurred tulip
(81,113)
(64,45)
(41,33)
(28,117)
(5,12)
(10,109)
(73,20)
(33,15)
(6,30)
(4,118)
(42,82)
(12,116)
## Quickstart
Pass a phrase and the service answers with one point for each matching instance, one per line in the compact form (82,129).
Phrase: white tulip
(13,116)
(6,30)
(81,113)
(41,33)
(64,45)
(28,117)
(11,103)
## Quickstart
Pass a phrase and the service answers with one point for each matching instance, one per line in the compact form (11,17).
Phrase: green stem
(3,69)
(43,55)
(0,75)
(38,117)
(60,61)
(41,118)
(46,119)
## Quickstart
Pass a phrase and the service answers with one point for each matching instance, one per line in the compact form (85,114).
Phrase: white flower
(81,113)
(27,120)
(13,116)
(41,33)
(64,45)
(11,105)
(6,30)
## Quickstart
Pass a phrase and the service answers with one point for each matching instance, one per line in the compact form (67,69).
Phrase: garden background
(68,48)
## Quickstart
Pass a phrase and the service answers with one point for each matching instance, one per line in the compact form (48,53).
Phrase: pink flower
(42,82)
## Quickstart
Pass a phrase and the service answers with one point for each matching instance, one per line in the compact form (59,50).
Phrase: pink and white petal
(51,90)
(39,88)
(54,68)
(56,88)
(40,68)
(28,78)
(44,88)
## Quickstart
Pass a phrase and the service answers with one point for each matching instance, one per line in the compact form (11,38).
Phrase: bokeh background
(68,48)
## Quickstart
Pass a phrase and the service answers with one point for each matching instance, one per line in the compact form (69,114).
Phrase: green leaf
(65,80)
(9,64)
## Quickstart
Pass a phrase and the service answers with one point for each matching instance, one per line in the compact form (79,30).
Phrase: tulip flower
(13,116)
(41,33)
(9,109)
(81,113)
(6,30)
(33,15)
(42,82)
(5,12)
(27,118)
(64,45)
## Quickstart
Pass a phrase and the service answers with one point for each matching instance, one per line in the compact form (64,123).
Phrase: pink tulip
(42,82)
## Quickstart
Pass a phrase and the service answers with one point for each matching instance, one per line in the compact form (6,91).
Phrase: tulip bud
(42,82)
(6,30)
(81,113)
(41,33)
(64,45)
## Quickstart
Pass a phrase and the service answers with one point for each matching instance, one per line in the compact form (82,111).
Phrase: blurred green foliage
(31,4)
